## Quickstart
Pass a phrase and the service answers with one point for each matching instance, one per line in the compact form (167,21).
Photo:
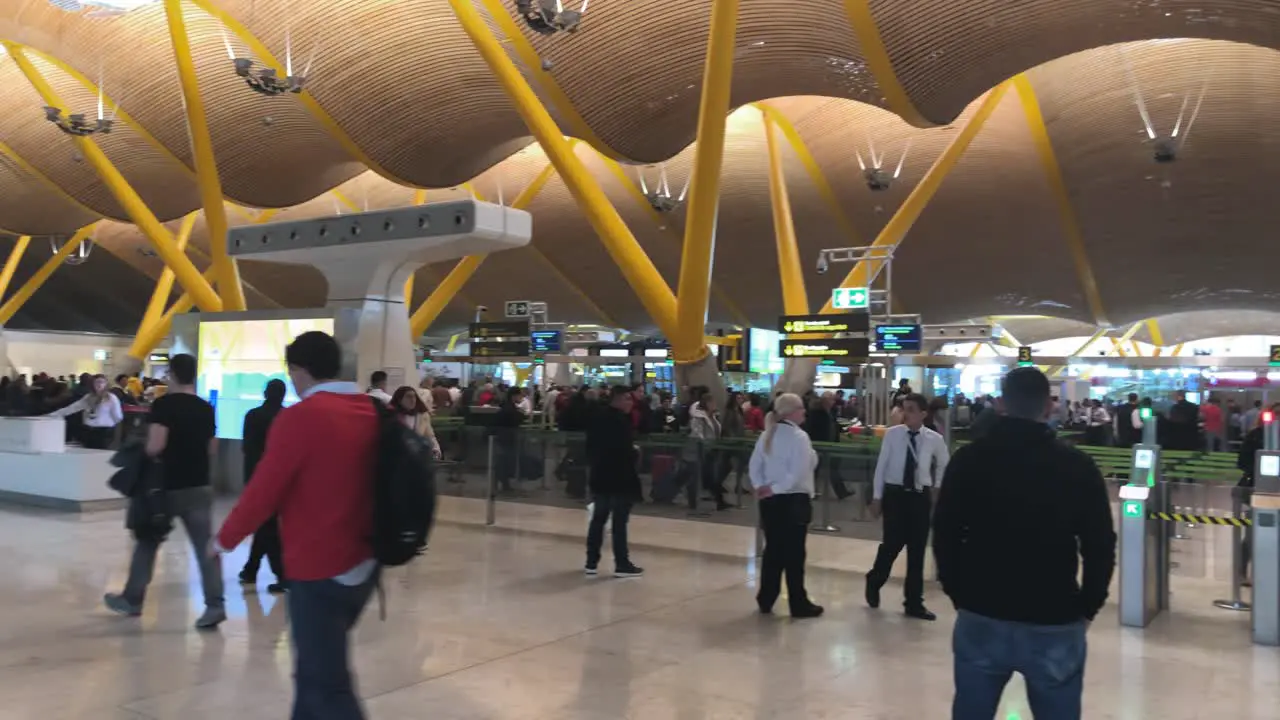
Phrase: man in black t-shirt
(181,435)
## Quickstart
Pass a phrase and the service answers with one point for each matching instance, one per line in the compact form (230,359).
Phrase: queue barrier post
(824,503)
(491,504)
(1237,558)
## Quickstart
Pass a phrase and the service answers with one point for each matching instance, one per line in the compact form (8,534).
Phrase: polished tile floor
(499,624)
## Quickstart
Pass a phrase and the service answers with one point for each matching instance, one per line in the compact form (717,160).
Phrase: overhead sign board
(899,338)
(510,329)
(517,309)
(850,298)
(842,323)
(1275,355)
(502,349)
(842,348)
(544,341)
(1024,356)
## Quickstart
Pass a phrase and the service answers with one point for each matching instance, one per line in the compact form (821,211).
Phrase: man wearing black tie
(912,460)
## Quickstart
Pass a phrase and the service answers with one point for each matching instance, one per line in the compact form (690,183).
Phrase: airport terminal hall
(639,360)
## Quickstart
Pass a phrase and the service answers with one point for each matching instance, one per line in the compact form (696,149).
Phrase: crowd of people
(1015,496)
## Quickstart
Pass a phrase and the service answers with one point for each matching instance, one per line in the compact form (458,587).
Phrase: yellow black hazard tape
(1200,519)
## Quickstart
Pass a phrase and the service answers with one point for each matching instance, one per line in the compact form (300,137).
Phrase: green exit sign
(1132,508)
(854,298)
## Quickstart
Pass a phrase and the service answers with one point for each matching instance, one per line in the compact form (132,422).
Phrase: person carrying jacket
(615,481)
(1020,517)
(266,539)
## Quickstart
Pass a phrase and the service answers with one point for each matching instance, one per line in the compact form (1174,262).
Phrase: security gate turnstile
(1144,542)
(1266,537)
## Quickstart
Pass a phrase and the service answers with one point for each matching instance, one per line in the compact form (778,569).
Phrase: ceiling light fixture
(659,196)
(548,17)
(76,124)
(877,178)
(266,81)
(79,256)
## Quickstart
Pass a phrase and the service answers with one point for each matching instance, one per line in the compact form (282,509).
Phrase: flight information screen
(238,357)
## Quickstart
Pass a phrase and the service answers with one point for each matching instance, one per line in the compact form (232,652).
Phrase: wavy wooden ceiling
(406,93)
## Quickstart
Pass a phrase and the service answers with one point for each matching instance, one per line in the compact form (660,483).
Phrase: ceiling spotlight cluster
(659,196)
(267,81)
(79,256)
(879,179)
(77,124)
(548,17)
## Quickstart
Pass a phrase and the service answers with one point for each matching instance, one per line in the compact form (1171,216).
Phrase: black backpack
(404,501)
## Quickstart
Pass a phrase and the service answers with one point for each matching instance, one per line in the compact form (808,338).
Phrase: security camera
(877,180)
(482,308)
(823,266)
(1166,150)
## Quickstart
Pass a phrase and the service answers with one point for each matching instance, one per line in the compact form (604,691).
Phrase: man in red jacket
(317,477)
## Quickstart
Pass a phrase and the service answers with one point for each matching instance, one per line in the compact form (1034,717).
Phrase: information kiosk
(1144,542)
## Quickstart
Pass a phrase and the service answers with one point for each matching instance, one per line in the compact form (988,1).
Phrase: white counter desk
(37,468)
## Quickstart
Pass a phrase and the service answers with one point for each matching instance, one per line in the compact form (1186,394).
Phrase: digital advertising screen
(238,357)
(762,352)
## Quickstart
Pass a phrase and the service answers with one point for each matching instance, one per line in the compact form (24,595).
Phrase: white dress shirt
(380,394)
(107,414)
(931,458)
(788,466)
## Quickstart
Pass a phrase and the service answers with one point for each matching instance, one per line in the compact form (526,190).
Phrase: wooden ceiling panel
(29,206)
(162,180)
(659,52)
(401,78)
(990,242)
(46,148)
(946,53)
(1169,237)
(566,238)
(271,151)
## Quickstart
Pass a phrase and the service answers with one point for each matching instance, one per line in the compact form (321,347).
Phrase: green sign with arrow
(850,298)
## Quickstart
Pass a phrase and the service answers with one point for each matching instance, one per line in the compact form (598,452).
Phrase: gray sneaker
(118,605)
(211,619)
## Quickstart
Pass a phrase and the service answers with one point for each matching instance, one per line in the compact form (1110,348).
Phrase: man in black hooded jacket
(1018,514)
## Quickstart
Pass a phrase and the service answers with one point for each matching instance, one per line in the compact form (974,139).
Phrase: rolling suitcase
(664,488)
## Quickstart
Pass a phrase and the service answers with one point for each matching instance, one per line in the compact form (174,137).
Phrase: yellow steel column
(164,285)
(898,226)
(1057,185)
(1157,337)
(876,56)
(147,339)
(1090,341)
(795,301)
(215,213)
(138,212)
(621,245)
(11,265)
(698,255)
(443,294)
(37,281)
(467,266)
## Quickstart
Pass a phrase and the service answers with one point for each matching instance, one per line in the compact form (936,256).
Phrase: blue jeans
(321,615)
(988,651)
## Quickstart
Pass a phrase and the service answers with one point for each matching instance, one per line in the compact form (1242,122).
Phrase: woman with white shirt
(413,413)
(101,414)
(781,469)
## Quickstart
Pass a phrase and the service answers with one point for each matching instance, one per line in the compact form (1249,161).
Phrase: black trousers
(266,542)
(906,524)
(619,507)
(97,438)
(785,520)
